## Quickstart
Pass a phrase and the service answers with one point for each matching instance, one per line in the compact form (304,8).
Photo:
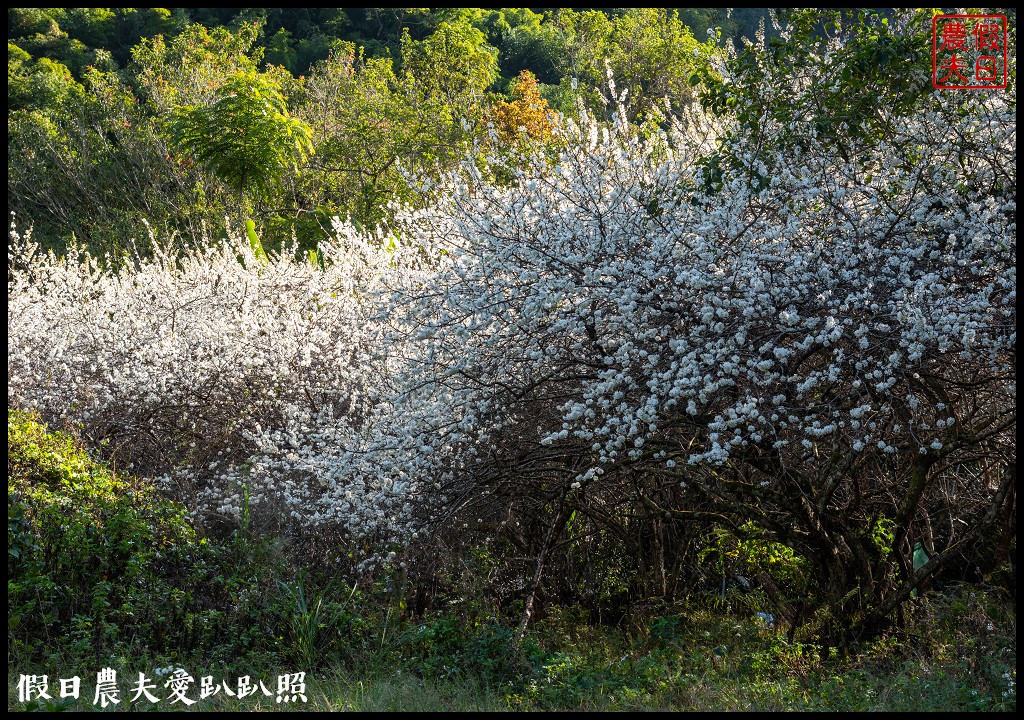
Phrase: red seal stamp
(969,52)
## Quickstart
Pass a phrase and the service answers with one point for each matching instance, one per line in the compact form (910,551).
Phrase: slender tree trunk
(538,573)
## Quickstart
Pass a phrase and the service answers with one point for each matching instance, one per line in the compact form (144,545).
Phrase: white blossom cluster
(611,311)
(180,362)
(607,314)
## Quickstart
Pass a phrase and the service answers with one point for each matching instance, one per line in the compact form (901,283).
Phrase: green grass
(103,572)
(330,692)
(698,662)
(579,682)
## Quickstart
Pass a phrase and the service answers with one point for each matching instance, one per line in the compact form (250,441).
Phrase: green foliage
(882,535)
(751,553)
(101,566)
(132,25)
(759,553)
(652,54)
(94,163)
(445,647)
(454,64)
(254,242)
(311,620)
(526,42)
(101,561)
(95,166)
(247,137)
(94,27)
(37,30)
(191,68)
(80,34)
(41,84)
(861,88)
(649,52)
(281,51)
(25,22)
(370,127)
(179,137)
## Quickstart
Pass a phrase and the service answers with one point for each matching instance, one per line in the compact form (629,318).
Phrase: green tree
(190,68)
(455,63)
(41,84)
(280,51)
(527,42)
(862,86)
(247,137)
(132,25)
(585,41)
(373,130)
(94,27)
(94,166)
(25,22)
(650,53)
(311,49)
(40,34)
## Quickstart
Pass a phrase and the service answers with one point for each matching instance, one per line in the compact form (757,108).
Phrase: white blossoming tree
(174,362)
(808,343)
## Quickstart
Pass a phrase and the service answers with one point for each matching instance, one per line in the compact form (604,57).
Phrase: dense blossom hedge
(664,327)
(172,361)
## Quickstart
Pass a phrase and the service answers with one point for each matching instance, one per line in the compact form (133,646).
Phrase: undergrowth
(103,572)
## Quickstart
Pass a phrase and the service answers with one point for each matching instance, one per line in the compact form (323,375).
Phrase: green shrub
(444,647)
(97,564)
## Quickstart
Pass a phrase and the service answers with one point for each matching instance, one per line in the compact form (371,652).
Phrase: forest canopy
(97,98)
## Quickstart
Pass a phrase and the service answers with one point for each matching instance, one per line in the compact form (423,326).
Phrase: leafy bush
(102,562)
(444,647)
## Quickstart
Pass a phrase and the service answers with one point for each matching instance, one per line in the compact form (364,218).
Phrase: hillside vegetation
(494,359)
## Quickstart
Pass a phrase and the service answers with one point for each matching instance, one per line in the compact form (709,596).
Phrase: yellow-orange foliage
(527,116)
